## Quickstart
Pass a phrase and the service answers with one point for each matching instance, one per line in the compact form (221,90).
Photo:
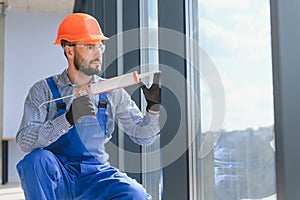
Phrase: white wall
(29,56)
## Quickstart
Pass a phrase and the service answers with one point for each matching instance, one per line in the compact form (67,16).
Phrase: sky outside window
(236,36)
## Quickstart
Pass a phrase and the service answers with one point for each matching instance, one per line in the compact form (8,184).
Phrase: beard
(87,70)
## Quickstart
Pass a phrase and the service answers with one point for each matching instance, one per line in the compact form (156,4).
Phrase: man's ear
(69,51)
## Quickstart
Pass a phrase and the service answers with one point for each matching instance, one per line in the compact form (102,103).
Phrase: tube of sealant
(122,81)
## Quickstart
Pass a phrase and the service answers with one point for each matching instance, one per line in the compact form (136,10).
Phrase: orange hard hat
(79,27)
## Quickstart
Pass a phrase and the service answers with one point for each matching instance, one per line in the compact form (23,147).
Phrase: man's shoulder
(60,80)
(41,84)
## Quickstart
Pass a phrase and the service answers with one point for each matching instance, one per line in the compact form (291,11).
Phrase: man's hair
(63,43)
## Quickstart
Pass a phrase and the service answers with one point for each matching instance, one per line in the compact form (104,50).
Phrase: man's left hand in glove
(152,94)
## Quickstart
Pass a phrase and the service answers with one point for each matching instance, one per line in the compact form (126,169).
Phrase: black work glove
(80,107)
(152,94)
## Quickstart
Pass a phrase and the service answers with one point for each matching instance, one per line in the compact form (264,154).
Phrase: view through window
(236,37)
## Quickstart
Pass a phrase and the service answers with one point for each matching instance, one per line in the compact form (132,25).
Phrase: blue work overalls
(70,168)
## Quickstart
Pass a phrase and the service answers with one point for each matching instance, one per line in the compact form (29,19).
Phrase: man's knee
(138,192)
(134,190)
(36,159)
(42,176)
(39,163)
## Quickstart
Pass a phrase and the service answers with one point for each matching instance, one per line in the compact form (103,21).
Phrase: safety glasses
(91,47)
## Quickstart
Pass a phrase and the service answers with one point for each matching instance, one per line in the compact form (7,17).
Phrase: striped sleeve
(36,130)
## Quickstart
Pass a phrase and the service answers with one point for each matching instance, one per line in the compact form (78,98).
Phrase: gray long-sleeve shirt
(40,126)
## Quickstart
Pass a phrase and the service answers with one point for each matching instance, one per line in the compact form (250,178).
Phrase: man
(65,139)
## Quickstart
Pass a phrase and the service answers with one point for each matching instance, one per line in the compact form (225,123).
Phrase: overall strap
(61,106)
(101,115)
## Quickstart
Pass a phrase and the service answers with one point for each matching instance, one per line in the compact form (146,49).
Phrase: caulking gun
(106,85)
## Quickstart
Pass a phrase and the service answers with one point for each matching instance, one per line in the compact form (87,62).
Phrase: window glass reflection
(236,36)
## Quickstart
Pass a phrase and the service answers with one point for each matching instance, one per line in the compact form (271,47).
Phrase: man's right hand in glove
(80,107)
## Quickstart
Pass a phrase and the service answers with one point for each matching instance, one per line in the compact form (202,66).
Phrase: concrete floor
(11,191)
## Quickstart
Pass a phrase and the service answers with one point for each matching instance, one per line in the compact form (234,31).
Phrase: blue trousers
(45,176)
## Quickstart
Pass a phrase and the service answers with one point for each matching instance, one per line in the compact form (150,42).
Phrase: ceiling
(48,6)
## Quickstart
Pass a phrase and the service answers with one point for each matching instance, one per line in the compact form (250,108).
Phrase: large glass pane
(235,34)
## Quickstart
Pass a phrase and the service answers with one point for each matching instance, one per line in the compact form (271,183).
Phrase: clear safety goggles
(91,47)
